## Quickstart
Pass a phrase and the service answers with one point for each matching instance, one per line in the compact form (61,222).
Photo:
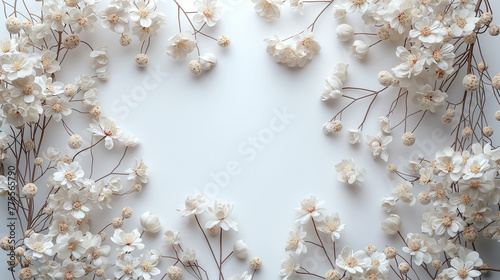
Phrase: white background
(191,127)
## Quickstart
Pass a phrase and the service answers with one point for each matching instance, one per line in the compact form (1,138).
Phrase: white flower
(378,145)
(51,154)
(240,249)
(70,245)
(208,12)
(331,225)
(352,5)
(143,13)
(139,172)
(388,203)
(348,173)
(100,56)
(429,99)
(148,262)
(288,267)
(463,268)
(115,18)
(479,215)
(207,61)
(171,238)
(446,220)
(182,45)
(339,12)
(39,246)
(69,174)
(449,163)
(127,268)
(475,167)
(189,257)
(150,222)
(268,9)
(289,55)
(310,209)
(392,224)
(53,15)
(464,21)
(56,108)
(17,65)
(99,253)
(379,262)
(221,211)
(413,62)
(26,89)
(78,204)
(428,31)
(70,269)
(354,263)
(421,248)
(107,129)
(81,19)
(476,188)
(84,82)
(127,241)
(243,276)
(360,49)
(354,136)
(441,55)
(404,192)
(130,141)
(344,32)
(48,61)
(296,242)
(194,205)
(332,126)
(385,124)
(297,5)
(340,71)
(333,88)
(4,187)
(306,44)
(49,87)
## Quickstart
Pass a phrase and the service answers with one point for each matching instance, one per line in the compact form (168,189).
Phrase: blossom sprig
(435,45)
(422,256)
(459,185)
(147,18)
(53,184)
(58,29)
(219,221)
(296,50)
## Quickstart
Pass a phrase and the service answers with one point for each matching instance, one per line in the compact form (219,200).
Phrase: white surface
(192,127)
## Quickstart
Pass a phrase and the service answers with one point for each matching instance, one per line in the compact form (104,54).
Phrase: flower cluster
(324,230)
(54,188)
(460,188)
(438,45)
(67,22)
(296,53)
(448,258)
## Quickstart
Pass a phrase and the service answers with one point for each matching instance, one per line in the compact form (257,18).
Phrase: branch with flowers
(52,189)
(421,257)
(440,46)
(57,28)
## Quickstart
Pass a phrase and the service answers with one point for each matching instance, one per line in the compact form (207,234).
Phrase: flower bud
(240,249)
(392,224)
(255,262)
(141,59)
(360,49)
(207,61)
(344,32)
(150,222)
